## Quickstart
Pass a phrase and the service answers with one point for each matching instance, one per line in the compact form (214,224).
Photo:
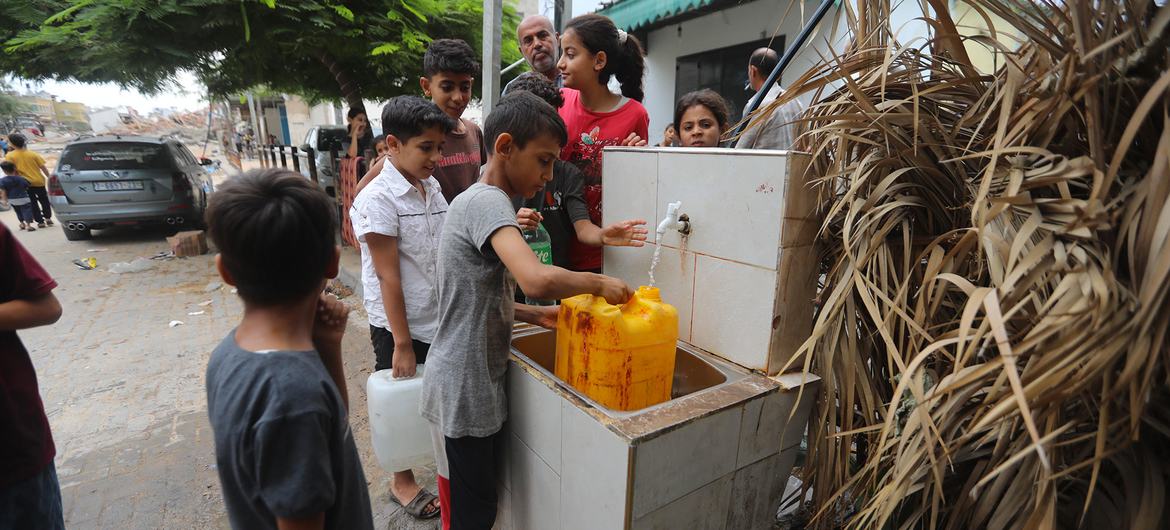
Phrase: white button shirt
(390,206)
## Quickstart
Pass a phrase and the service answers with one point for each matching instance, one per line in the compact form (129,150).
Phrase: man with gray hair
(538,44)
(777,131)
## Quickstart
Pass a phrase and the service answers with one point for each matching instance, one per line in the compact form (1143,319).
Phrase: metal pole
(493,13)
(311,158)
(789,54)
(255,124)
(562,13)
(511,66)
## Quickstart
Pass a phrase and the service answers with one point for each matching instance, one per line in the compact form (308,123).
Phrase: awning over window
(632,15)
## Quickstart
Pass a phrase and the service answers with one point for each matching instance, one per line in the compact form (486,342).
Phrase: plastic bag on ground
(138,265)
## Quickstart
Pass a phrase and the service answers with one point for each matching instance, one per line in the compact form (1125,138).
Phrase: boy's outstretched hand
(630,233)
(332,315)
(614,290)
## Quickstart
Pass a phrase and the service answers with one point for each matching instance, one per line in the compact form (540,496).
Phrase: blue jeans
(24,212)
(33,504)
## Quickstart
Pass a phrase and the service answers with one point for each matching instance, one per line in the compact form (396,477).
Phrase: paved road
(124,391)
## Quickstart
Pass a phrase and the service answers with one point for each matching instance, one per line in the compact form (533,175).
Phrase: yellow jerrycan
(620,356)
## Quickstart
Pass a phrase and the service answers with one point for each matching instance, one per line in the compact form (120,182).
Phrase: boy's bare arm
(24,314)
(312,522)
(369,176)
(328,330)
(631,233)
(384,253)
(546,281)
(543,316)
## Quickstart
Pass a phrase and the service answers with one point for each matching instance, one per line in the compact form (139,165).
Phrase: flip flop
(418,505)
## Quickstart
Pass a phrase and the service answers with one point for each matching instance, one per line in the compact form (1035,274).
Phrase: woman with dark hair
(592,51)
(359,136)
(702,118)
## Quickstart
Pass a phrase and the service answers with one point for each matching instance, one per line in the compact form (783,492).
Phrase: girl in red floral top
(593,50)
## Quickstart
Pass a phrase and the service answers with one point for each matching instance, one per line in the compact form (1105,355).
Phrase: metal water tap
(674,221)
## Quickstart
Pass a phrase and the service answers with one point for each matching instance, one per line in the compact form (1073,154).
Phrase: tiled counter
(711,459)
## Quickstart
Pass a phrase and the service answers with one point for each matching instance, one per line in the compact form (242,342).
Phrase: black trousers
(471,462)
(40,203)
(383,342)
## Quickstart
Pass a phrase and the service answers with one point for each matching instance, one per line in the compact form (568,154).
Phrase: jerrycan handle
(644,293)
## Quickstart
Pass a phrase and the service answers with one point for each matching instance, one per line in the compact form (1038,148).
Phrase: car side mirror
(206,161)
(306,147)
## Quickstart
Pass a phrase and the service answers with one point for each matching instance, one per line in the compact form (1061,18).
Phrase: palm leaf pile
(992,328)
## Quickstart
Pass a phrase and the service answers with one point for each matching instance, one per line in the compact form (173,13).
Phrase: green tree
(318,49)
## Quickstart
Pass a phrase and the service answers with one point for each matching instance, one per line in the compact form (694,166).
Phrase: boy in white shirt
(397,219)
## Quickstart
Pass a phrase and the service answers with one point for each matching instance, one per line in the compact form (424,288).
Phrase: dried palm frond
(992,329)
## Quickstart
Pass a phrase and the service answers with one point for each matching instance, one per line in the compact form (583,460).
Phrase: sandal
(418,505)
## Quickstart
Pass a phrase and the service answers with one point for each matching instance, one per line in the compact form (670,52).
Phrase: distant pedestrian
(4,146)
(30,496)
(669,136)
(777,131)
(14,191)
(359,137)
(276,393)
(32,167)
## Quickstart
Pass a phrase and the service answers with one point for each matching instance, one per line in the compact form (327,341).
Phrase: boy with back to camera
(14,191)
(397,219)
(276,393)
(480,253)
(32,167)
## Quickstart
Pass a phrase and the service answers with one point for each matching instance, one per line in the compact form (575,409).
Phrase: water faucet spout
(671,219)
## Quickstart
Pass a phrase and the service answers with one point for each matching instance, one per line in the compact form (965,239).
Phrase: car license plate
(118,185)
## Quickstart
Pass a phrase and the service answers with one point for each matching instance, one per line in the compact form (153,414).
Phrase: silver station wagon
(106,181)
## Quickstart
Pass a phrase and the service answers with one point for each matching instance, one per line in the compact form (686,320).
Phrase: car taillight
(180,184)
(55,188)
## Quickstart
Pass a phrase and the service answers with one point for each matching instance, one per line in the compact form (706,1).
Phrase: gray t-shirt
(283,446)
(463,387)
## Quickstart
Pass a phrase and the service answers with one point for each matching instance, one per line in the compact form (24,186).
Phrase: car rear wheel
(76,235)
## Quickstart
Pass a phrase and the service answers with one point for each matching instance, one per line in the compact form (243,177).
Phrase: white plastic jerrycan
(402,438)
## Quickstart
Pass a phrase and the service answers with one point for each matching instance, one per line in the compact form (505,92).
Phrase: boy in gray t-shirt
(275,388)
(480,252)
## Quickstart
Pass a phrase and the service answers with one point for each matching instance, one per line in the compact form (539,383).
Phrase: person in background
(32,167)
(593,50)
(702,118)
(560,206)
(397,219)
(276,394)
(482,258)
(778,130)
(669,136)
(30,496)
(538,45)
(449,69)
(14,191)
(380,146)
(4,147)
(359,137)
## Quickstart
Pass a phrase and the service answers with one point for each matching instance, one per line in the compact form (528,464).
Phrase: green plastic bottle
(541,244)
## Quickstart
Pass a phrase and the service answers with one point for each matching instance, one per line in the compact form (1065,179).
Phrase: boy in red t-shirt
(30,496)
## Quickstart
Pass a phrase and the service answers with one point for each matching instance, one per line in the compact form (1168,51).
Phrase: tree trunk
(350,90)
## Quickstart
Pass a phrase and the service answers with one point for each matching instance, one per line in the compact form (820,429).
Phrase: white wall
(746,23)
(736,25)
